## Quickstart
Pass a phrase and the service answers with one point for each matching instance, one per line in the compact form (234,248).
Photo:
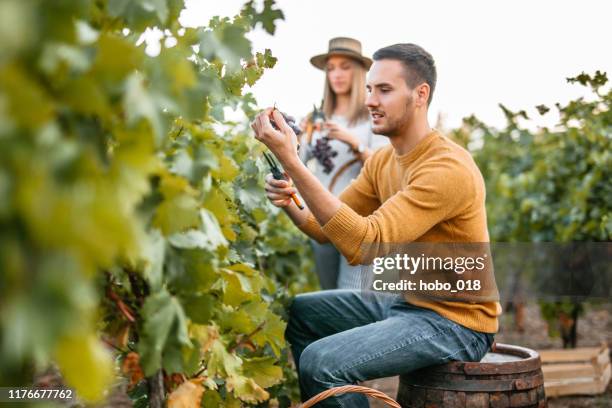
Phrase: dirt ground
(594,327)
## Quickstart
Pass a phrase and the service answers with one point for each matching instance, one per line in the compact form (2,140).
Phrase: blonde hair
(357,110)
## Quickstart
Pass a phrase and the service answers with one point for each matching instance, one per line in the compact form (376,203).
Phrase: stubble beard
(397,126)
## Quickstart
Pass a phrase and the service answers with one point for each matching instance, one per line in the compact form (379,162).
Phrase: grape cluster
(324,153)
(290,121)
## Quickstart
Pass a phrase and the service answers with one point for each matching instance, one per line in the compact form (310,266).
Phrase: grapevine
(134,236)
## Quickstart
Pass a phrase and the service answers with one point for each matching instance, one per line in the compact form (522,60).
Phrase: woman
(349,130)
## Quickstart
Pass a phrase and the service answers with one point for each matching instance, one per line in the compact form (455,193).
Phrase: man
(421,188)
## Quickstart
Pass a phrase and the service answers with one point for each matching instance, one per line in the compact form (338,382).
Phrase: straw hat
(344,46)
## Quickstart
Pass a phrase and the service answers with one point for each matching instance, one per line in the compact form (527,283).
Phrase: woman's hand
(282,142)
(335,131)
(279,191)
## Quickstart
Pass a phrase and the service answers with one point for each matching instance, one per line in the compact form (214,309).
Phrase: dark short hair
(419,65)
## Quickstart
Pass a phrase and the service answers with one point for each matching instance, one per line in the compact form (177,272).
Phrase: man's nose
(371,100)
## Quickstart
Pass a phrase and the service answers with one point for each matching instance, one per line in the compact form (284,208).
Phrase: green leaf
(245,319)
(212,399)
(227,170)
(266,60)
(116,58)
(209,237)
(218,204)
(139,104)
(250,194)
(160,7)
(83,353)
(28,103)
(211,228)
(189,240)
(236,288)
(263,371)
(199,307)
(179,210)
(227,44)
(165,323)
(192,270)
(177,214)
(56,56)
(273,333)
(154,258)
(237,321)
(139,14)
(246,389)
(17,26)
(268,16)
(221,363)
(85,96)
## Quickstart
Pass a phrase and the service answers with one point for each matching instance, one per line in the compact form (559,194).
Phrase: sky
(517,53)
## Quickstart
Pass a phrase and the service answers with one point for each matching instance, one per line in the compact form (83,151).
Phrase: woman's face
(340,74)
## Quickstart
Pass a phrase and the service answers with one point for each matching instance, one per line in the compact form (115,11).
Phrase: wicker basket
(351,388)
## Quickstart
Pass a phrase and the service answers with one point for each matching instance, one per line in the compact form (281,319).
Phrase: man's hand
(282,142)
(279,191)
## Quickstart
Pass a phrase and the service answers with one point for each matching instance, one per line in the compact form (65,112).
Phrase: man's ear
(422,94)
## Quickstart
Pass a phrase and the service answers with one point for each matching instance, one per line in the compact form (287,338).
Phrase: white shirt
(363,131)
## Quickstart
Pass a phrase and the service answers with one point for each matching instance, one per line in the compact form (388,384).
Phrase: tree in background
(552,185)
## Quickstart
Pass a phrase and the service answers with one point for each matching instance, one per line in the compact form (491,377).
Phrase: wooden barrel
(508,376)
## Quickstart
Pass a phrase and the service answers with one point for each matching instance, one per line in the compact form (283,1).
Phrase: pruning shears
(279,175)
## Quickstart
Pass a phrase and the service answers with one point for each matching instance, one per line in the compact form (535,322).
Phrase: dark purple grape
(290,121)
(323,152)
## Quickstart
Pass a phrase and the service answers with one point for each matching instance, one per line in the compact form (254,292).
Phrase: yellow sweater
(434,193)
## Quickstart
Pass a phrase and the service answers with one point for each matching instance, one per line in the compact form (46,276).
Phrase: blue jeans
(340,337)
